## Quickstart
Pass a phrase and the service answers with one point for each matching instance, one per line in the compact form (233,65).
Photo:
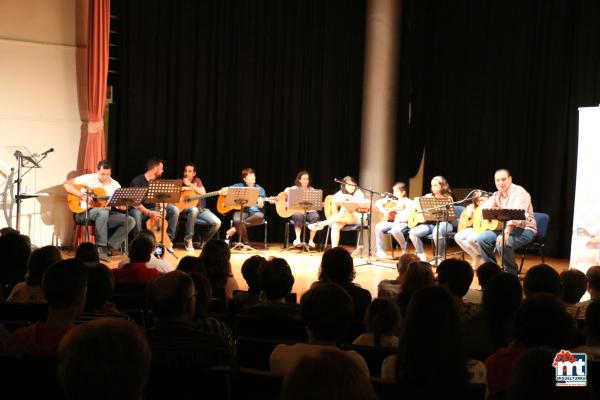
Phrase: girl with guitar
(347,192)
(252,215)
(396,211)
(439,188)
(303,182)
(466,237)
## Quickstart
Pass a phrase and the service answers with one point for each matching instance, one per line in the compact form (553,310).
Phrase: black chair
(358,228)
(374,356)
(254,352)
(258,384)
(542,220)
(289,226)
(265,223)
(198,228)
(393,242)
(273,327)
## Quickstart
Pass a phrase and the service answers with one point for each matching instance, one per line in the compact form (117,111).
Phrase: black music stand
(503,215)
(128,197)
(242,197)
(304,200)
(163,191)
(438,209)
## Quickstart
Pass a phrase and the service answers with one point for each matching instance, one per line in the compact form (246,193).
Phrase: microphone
(390,195)
(336,180)
(484,193)
(50,150)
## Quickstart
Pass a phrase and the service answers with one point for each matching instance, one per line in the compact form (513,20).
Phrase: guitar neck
(202,196)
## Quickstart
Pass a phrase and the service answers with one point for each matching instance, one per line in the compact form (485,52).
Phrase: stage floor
(305,266)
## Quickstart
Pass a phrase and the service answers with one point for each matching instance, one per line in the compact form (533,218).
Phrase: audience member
(216,256)
(382,319)
(162,263)
(457,276)
(15,249)
(88,253)
(431,332)
(105,359)
(326,309)
(136,271)
(484,273)
(575,285)
(337,266)
(343,379)
(100,287)
(31,291)
(592,328)
(593,277)
(250,273)
(542,278)
(64,286)
(390,288)
(418,275)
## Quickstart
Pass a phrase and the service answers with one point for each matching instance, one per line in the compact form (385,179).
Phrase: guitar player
(252,215)
(195,214)
(104,218)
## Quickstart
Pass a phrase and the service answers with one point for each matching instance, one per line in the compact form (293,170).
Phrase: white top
(403,208)
(92,181)
(160,264)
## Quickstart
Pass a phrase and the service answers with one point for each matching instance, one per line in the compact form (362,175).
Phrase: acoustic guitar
(416,217)
(224,209)
(159,228)
(98,199)
(481,225)
(466,220)
(189,198)
(281,206)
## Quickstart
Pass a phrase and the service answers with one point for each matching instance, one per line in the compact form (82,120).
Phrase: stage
(305,266)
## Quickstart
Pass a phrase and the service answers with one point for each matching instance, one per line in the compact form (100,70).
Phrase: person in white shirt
(396,213)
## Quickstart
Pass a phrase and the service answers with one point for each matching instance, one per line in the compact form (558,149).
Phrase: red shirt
(36,340)
(499,368)
(135,273)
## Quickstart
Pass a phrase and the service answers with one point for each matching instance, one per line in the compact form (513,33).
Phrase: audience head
(100,287)
(8,231)
(39,261)
(64,285)
(275,279)
(382,318)
(216,255)
(172,297)
(190,264)
(344,378)
(456,275)
(542,278)
(107,358)
(140,249)
(592,323)
(574,285)
(250,272)
(404,262)
(501,298)
(593,276)
(337,266)
(486,271)
(542,320)
(418,275)
(88,253)
(15,249)
(326,309)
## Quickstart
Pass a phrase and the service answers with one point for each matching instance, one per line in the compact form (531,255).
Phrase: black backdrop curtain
(497,84)
(228,84)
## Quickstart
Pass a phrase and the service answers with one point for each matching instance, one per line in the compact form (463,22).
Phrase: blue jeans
(396,229)
(190,214)
(206,217)
(518,238)
(104,220)
(172,216)
(418,232)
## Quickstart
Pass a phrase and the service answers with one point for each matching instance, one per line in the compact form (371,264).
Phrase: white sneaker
(312,244)
(422,256)
(296,242)
(315,227)
(381,254)
(189,246)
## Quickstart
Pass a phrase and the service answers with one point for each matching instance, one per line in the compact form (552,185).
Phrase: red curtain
(98,33)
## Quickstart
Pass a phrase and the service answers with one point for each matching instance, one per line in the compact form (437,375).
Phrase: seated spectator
(216,256)
(161,264)
(575,285)
(175,340)
(484,273)
(105,359)
(383,320)
(326,309)
(489,330)
(592,327)
(31,291)
(343,380)
(101,284)
(418,275)
(542,278)
(432,331)
(191,264)
(136,271)
(541,320)
(88,253)
(64,286)
(593,277)
(390,288)
(457,276)
(250,274)
(15,250)
(203,322)
(337,266)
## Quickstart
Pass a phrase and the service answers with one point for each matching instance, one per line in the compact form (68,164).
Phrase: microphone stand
(21,164)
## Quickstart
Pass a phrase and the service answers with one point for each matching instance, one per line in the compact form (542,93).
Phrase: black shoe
(104,252)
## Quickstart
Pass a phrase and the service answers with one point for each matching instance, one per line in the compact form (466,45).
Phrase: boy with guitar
(91,191)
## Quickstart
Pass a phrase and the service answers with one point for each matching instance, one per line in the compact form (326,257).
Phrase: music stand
(438,209)
(128,197)
(503,215)
(302,200)
(242,197)
(163,191)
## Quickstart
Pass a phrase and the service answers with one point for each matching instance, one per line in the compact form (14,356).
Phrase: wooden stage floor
(305,266)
